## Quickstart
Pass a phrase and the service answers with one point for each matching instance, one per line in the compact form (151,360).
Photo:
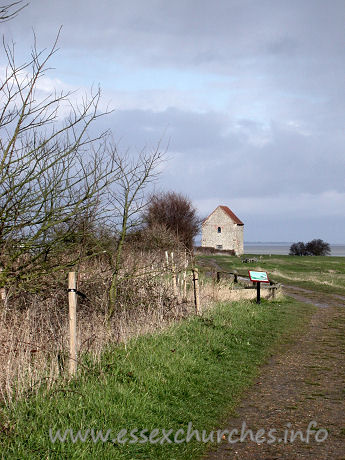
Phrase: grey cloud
(284,46)
(179,31)
(281,65)
(294,47)
(213,150)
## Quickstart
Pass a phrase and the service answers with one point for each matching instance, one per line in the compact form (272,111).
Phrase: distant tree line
(316,247)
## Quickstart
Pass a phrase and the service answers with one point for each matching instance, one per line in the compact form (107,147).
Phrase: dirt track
(304,383)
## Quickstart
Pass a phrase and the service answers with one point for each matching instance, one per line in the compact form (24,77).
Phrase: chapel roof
(228,211)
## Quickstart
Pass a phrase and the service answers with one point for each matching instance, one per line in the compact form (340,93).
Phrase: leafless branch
(10,10)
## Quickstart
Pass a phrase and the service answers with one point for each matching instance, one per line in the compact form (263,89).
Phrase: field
(325,274)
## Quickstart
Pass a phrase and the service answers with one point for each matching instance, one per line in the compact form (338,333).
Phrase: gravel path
(305,383)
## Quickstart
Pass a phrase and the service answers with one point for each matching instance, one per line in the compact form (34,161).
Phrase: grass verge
(323,274)
(196,371)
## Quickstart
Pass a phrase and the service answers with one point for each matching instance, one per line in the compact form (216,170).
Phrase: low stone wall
(223,292)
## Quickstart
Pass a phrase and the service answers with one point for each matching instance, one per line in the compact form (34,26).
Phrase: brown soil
(304,383)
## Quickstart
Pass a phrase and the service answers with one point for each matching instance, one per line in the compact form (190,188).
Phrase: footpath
(303,384)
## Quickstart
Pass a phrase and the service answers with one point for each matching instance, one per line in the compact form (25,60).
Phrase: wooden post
(173,271)
(72,301)
(166,269)
(196,290)
(2,291)
(174,283)
(184,294)
(218,277)
(184,287)
(273,291)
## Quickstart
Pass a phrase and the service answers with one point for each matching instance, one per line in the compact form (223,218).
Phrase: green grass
(194,372)
(325,274)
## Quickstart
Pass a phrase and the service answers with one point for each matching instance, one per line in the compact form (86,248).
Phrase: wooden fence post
(184,295)
(72,301)
(173,271)
(2,291)
(196,290)
(167,280)
(273,291)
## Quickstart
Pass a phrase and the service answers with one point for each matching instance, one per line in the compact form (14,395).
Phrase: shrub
(176,213)
(298,249)
(316,247)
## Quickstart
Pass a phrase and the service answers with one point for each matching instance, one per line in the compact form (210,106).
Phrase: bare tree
(51,170)
(58,184)
(128,200)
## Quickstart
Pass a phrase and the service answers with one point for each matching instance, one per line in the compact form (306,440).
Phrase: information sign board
(261,277)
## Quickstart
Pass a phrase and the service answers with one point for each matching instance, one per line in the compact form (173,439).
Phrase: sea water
(284,247)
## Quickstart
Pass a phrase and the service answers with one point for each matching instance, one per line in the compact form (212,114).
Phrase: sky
(247,94)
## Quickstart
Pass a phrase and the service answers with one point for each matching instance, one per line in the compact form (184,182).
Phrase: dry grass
(35,341)
(34,327)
